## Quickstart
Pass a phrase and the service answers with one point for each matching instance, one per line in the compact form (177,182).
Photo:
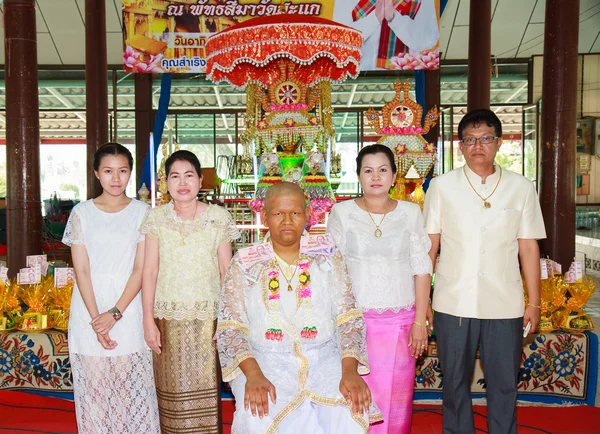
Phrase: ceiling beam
(68,104)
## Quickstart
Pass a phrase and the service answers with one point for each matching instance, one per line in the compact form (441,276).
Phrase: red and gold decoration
(401,129)
(287,63)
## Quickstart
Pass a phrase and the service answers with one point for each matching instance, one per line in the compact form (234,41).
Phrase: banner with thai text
(170,35)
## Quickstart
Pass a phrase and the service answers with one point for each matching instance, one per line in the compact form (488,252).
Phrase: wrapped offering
(10,307)
(37,299)
(60,295)
(574,319)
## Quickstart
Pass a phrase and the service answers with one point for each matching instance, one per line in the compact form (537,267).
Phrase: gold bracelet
(533,305)
(421,324)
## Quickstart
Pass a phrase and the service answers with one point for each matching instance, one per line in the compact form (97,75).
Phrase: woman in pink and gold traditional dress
(386,249)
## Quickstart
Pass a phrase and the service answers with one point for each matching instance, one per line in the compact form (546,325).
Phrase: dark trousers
(500,345)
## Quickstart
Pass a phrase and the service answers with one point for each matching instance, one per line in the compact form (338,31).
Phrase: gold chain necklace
(378,233)
(484,199)
(289,281)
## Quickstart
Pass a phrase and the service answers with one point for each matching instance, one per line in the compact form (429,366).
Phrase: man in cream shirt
(486,219)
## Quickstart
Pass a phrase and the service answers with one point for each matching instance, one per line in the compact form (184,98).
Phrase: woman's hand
(152,335)
(106,342)
(417,340)
(103,323)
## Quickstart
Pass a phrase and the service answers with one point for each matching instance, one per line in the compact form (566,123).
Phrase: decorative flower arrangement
(430,148)
(263,124)
(309,331)
(400,149)
(314,120)
(133,63)
(287,107)
(289,122)
(274,332)
(401,130)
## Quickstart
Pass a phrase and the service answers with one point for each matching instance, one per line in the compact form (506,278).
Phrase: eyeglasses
(484,140)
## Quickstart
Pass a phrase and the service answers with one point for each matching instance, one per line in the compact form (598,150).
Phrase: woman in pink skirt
(386,249)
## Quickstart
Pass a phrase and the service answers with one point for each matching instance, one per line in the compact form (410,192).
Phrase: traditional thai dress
(298,338)
(382,271)
(185,308)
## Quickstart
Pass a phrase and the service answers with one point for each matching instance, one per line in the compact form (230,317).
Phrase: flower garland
(274,332)
(309,331)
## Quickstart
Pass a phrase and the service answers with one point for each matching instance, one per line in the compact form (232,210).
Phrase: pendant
(290,287)
(487,204)
(378,233)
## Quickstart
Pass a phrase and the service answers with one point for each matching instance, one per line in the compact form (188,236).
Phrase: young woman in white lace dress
(113,379)
(386,249)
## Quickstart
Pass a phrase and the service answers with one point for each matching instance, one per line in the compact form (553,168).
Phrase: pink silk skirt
(392,376)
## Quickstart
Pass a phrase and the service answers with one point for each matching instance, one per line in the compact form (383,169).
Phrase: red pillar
(24,216)
(143,121)
(96,87)
(478,75)
(559,117)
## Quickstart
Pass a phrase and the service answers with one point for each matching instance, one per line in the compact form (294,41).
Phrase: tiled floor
(592,308)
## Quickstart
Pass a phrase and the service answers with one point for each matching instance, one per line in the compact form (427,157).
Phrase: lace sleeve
(232,326)
(420,244)
(142,237)
(228,231)
(336,228)
(73,231)
(150,224)
(349,319)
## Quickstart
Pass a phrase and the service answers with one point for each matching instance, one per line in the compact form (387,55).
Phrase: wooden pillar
(96,87)
(559,117)
(24,215)
(478,75)
(143,121)
(432,98)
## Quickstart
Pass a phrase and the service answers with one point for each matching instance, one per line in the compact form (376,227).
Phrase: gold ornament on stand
(165,197)
(400,128)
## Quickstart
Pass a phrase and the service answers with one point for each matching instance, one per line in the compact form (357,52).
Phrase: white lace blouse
(382,269)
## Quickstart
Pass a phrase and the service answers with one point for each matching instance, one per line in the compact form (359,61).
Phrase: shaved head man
(291,339)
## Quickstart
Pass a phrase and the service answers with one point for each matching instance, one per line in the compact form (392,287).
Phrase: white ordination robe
(306,372)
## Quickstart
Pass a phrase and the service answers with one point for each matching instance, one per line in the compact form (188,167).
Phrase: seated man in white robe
(291,340)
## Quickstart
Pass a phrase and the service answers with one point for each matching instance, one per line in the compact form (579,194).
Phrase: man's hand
(355,391)
(532,315)
(429,316)
(256,395)
(106,342)
(103,323)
